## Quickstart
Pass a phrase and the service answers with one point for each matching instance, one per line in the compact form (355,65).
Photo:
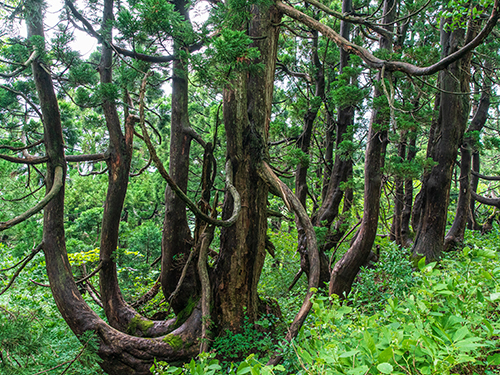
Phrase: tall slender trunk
(304,143)
(464,204)
(452,121)
(348,266)
(333,192)
(408,197)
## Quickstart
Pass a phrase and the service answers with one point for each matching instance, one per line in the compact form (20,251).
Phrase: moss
(137,323)
(174,341)
(186,312)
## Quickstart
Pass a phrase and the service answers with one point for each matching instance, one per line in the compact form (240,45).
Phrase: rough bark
(247,113)
(346,269)
(452,121)
(177,241)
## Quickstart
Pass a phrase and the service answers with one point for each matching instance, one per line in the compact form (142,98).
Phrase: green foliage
(435,328)
(233,346)
(208,365)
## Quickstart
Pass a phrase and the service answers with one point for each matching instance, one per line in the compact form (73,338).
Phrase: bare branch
(58,183)
(495,202)
(92,157)
(30,160)
(22,147)
(279,188)
(94,272)
(352,19)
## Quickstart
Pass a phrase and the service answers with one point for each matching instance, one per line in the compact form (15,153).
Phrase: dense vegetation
(250,187)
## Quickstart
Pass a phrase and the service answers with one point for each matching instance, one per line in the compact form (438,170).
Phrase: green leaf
(350,353)
(385,368)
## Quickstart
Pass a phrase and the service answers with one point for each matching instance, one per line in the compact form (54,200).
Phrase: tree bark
(346,269)
(247,113)
(453,115)
(408,195)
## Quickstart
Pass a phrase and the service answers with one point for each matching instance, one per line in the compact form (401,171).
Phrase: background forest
(250,186)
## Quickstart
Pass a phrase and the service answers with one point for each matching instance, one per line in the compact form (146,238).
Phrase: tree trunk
(333,192)
(396,227)
(452,121)
(346,269)
(408,197)
(304,142)
(247,113)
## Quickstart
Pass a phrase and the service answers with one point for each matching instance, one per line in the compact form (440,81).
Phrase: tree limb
(352,19)
(58,183)
(377,63)
(487,201)
(26,261)
(279,188)
(23,66)
(487,178)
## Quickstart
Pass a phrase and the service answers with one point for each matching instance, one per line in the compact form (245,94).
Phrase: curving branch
(122,51)
(24,263)
(30,160)
(377,63)
(23,197)
(163,172)
(22,148)
(487,178)
(278,188)
(352,19)
(495,202)
(58,183)
(23,66)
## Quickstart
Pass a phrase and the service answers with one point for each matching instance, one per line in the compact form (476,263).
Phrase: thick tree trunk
(247,113)
(452,121)
(346,269)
